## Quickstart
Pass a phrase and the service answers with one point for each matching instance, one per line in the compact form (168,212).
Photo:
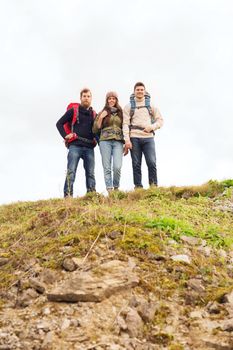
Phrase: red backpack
(69,127)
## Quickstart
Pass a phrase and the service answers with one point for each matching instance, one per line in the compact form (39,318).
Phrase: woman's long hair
(108,110)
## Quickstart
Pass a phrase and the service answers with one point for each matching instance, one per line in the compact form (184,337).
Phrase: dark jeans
(74,155)
(144,146)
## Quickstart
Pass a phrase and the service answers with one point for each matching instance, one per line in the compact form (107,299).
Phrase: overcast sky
(50,49)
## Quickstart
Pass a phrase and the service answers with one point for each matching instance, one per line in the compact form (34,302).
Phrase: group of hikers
(117,131)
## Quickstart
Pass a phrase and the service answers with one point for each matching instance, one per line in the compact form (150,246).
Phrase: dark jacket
(83,128)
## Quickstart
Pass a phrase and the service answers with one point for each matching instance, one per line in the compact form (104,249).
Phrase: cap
(111,94)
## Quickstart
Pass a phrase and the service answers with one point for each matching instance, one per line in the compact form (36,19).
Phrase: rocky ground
(149,270)
(103,303)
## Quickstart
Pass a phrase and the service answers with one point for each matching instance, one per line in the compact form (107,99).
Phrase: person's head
(85,97)
(110,102)
(111,99)
(139,90)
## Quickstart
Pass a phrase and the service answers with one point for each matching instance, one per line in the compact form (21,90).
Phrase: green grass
(145,219)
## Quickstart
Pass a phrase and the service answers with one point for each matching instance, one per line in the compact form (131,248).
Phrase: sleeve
(67,117)
(95,128)
(158,119)
(126,123)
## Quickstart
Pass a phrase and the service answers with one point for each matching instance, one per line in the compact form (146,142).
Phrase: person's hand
(103,114)
(125,150)
(69,136)
(148,129)
(128,145)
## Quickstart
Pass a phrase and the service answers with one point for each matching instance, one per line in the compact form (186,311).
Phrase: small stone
(196,285)
(227,325)
(69,265)
(45,326)
(196,314)
(78,262)
(114,235)
(147,311)
(181,258)
(27,297)
(37,285)
(121,323)
(134,323)
(190,240)
(46,311)
(48,340)
(213,308)
(65,324)
(227,298)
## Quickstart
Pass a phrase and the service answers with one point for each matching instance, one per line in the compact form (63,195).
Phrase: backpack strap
(147,105)
(75,118)
(132,106)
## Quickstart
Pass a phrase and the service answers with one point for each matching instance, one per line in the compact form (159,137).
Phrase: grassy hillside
(143,223)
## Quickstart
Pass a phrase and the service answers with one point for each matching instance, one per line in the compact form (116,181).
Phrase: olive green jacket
(112,132)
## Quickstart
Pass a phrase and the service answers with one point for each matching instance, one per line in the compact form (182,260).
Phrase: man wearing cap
(140,121)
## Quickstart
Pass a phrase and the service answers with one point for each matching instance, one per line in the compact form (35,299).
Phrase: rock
(227,298)
(181,258)
(134,323)
(190,240)
(4,261)
(48,276)
(121,323)
(48,340)
(69,265)
(206,251)
(147,311)
(191,298)
(222,253)
(46,311)
(65,324)
(37,285)
(227,325)
(196,285)
(213,308)
(78,262)
(27,297)
(44,325)
(94,286)
(114,235)
(196,314)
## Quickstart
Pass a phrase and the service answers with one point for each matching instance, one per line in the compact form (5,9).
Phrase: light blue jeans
(111,153)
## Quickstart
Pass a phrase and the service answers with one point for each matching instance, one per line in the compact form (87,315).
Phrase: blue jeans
(111,153)
(144,146)
(74,155)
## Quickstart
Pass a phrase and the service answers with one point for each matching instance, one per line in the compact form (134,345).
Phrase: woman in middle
(109,124)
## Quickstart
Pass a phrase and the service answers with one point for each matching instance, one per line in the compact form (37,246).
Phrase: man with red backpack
(75,126)
(140,120)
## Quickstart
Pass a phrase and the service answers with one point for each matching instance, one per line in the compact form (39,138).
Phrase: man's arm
(67,117)
(125,127)
(126,123)
(158,121)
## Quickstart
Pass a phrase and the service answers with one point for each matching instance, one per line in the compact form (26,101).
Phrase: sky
(50,49)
